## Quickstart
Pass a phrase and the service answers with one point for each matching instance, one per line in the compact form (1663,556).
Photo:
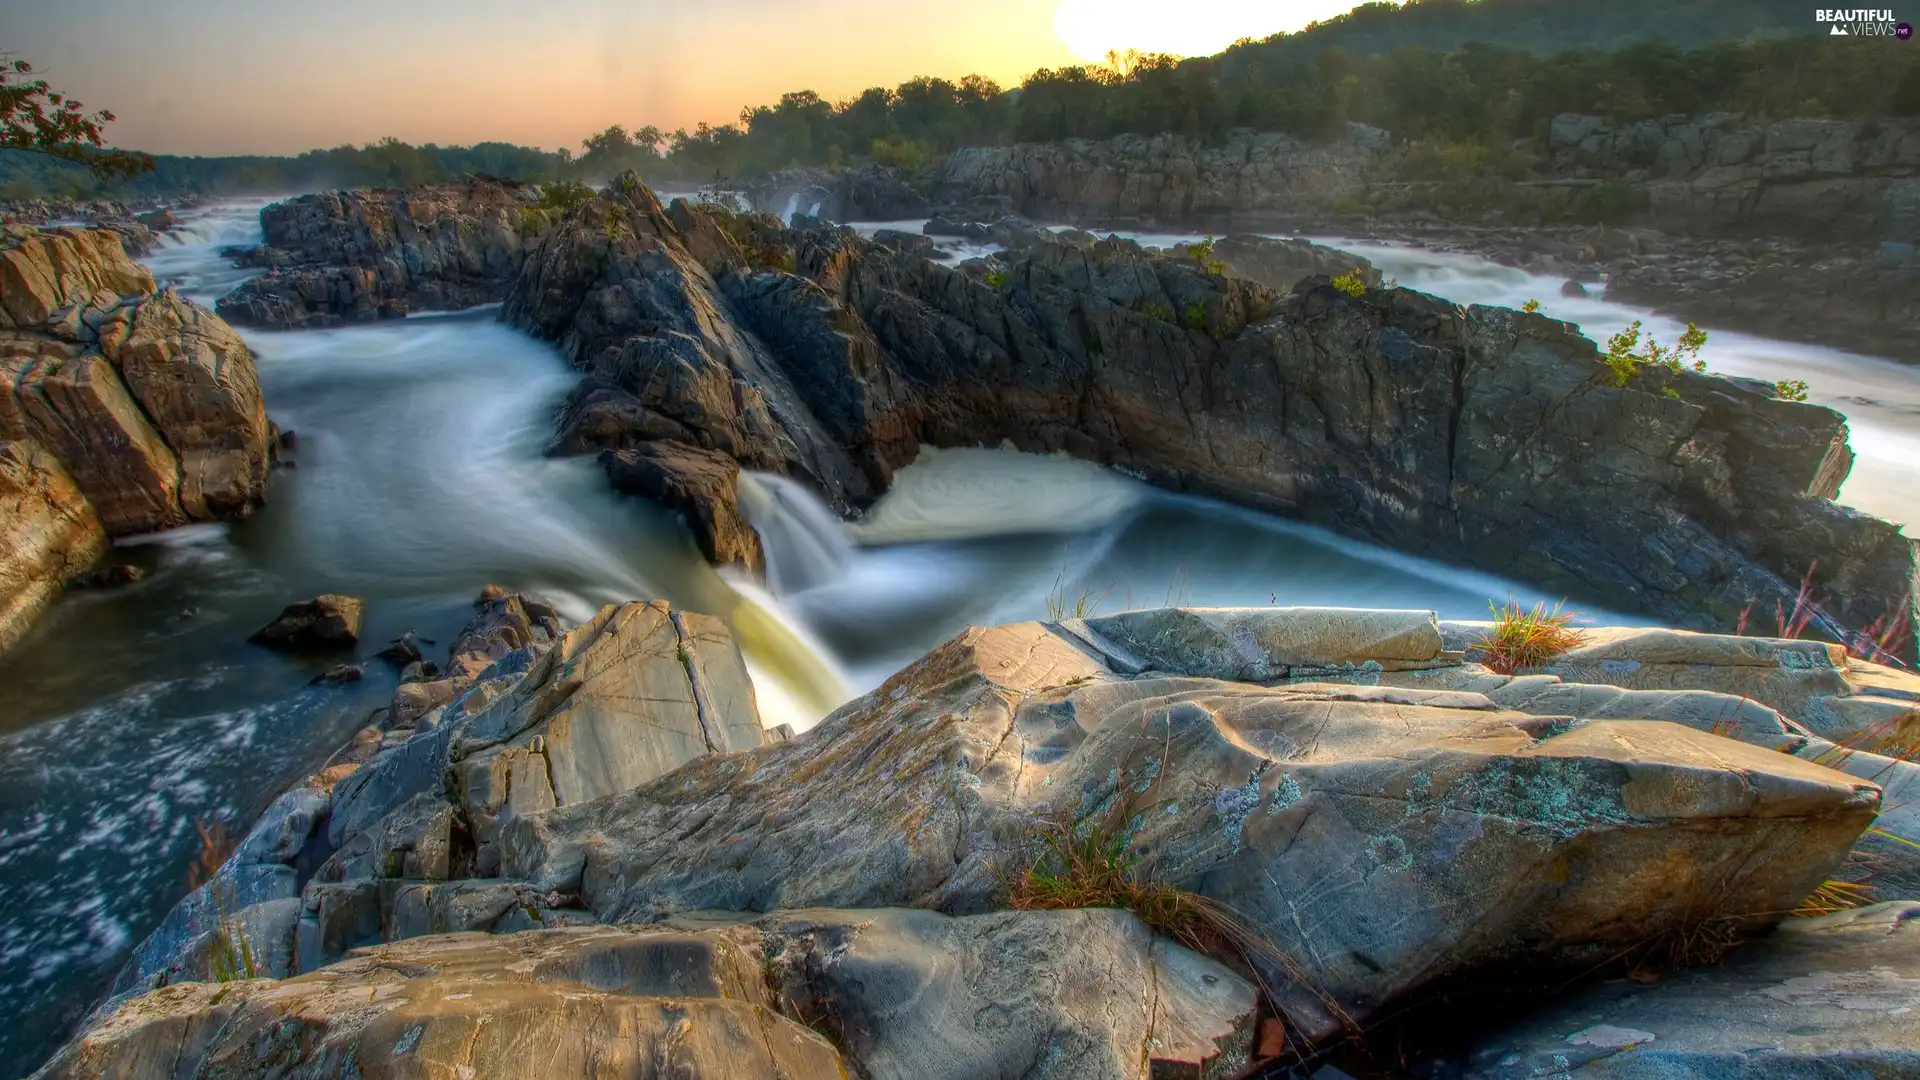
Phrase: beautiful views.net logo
(1863,22)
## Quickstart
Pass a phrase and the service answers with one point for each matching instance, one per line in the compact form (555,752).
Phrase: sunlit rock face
(148,403)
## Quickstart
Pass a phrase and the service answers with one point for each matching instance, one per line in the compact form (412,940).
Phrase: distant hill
(1540,26)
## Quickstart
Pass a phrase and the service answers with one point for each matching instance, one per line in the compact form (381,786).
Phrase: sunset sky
(269,76)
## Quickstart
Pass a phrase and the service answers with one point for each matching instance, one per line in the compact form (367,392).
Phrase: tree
(40,120)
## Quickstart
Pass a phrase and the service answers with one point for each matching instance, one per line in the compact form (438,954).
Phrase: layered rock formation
(1391,817)
(357,256)
(1725,174)
(149,403)
(1249,181)
(1061,995)
(861,193)
(48,531)
(1479,436)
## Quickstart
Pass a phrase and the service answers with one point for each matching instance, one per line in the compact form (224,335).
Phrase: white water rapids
(130,715)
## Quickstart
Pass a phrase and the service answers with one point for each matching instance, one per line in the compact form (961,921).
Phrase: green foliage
(1522,639)
(560,196)
(1352,203)
(1530,306)
(1626,352)
(1353,283)
(1791,389)
(1195,316)
(1082,605)
(996,279)
(1608,202)
(904,154)
(37,119)
(1158,312)
(1672,393)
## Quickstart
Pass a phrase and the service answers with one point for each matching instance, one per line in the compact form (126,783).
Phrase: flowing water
(131,715)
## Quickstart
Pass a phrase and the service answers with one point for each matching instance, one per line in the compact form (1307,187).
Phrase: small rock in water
(403,651)
(1573,287)
(322,622)
(419,671)
(489,594)
(338,675)
(107,577)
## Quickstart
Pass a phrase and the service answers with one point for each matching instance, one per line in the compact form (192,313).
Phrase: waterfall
(806,545)
(792,207)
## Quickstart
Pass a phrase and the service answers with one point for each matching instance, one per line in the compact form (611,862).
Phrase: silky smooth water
(131,715)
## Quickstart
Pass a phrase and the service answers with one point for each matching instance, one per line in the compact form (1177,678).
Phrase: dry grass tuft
(1833,896)
(1522,639)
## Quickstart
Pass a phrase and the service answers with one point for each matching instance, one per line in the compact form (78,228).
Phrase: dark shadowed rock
(357,256)
(1830,996)
(324,622)
(1281,264)
(704,485)
(339,675)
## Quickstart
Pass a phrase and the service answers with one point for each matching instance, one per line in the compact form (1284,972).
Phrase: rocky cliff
(1727,175)
(356,256)
(139,402)
(1250,181)
(1481,436)
(861,193)
(668,887)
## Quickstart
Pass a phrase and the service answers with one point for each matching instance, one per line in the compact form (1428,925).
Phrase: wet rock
(108,577)
(339,675)
(1375,816)
(1835,994)
(324,622)
(701,484)
(1573,288)
(402,650)
(48,535)
(1283,263)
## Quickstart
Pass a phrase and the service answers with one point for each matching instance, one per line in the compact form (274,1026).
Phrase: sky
(275,77)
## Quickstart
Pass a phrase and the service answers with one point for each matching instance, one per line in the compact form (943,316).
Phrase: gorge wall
(1825,180)
(1479,436)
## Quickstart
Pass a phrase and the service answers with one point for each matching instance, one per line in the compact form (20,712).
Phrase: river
(132,715)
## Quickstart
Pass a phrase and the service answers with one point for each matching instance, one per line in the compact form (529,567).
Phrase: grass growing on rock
(230,957)
(1627,352)
(1527,638)
(1353,283)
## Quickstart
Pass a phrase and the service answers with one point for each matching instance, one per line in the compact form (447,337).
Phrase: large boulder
(149,402)
(1482,436)
(704,485)
(907,995)
(1385,839)
(48,534)
(356,256)
(1283,263)
(1830,996)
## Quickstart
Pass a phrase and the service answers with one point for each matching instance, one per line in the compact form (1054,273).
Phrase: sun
(1092,28)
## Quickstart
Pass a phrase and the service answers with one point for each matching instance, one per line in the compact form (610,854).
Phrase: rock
(150,403)
(1573,288)
(569,732)
(909,995)
(1282,264)
(358,256)
(108,577)
(1830,995)
(861,193)
(323,622)
(158,220)
(1483,436)
(1360,829)
(701,484)
(402,651)
(339,675)
(48,535)
(549,1004)
(1246,181)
